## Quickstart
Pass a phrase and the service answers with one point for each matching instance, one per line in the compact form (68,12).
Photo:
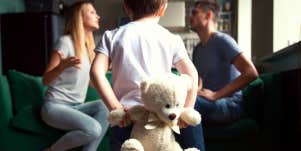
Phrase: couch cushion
(109,76)
(29,120)
(92,93)
(274,118)
(26,90)
(5,102)
(243,128)
(16,140)
(252,96)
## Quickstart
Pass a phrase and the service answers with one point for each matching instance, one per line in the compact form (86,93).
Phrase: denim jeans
(86,123)
(221,111)
(189,137)
(192,136)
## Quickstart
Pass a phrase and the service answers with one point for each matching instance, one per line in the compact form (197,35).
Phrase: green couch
(21,128)
(261,128)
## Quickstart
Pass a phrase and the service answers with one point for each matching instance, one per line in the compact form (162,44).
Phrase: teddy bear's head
(165,95)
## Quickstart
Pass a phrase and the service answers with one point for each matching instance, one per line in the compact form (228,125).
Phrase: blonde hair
(75,28)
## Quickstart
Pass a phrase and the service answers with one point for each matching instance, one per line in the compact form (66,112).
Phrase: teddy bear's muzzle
(172,116)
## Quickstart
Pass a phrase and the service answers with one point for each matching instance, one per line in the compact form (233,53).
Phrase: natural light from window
(287,23)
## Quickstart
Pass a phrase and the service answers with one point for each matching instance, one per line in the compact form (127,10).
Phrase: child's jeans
(189,137)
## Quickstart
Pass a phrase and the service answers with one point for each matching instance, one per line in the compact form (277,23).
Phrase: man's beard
(196,29)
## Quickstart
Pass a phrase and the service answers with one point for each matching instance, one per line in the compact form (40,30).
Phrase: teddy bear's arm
(116,116)
(191,116)
(137,112)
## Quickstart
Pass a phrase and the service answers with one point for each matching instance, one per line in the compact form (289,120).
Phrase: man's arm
(248,73)
(200,83)
(98,72)
(185,66)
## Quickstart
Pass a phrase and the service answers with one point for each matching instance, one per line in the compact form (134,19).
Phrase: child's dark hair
(142,8)
(207,5)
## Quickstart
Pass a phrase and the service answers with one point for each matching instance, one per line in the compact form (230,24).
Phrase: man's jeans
(221,111)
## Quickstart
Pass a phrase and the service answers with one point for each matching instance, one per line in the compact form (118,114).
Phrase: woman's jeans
(222,111)
(86,123)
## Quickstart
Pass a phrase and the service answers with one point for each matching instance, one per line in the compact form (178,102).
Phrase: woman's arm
(58,63)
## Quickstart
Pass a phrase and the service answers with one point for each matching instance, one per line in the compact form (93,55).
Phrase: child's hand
(68,62)
(182,124)
(119,117)
(126,121)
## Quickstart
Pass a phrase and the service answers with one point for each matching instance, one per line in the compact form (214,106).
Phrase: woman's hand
(69,61)
(57,64)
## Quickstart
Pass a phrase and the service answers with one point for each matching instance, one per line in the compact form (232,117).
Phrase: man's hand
(208,94)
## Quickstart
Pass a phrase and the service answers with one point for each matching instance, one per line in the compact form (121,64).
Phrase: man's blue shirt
(213,61)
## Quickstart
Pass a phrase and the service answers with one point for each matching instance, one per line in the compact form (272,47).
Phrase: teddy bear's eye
(177,105)
(167,106)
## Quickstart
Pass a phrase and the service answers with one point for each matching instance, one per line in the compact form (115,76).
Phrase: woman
(67,78)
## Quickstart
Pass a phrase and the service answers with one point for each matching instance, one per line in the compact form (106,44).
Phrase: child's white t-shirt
(136,51)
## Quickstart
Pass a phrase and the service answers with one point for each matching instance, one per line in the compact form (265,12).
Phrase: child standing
(137,50)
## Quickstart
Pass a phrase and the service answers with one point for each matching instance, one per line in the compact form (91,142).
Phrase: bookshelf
(225,22)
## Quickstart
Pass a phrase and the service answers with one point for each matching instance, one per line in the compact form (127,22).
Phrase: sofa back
(26,90)
(263,98)
(21,97)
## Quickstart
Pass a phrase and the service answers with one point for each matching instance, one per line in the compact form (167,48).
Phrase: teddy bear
(154,122)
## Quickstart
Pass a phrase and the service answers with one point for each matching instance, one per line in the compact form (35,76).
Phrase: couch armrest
(5,102)
(252,96)
(29,120)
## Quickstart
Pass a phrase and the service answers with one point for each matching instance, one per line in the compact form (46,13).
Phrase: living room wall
(110,12)
(9,6)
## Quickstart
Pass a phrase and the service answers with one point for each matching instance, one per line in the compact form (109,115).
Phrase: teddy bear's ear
(186,80)
(144,85)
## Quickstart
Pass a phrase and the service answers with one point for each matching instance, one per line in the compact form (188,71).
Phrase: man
(222,67)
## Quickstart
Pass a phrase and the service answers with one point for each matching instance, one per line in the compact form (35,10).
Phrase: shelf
(225,22)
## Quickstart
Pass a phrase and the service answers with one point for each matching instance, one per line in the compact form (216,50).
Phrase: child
(137,50)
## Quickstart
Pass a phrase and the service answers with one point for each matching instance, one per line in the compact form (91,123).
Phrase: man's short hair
(207,5)
(142,8)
